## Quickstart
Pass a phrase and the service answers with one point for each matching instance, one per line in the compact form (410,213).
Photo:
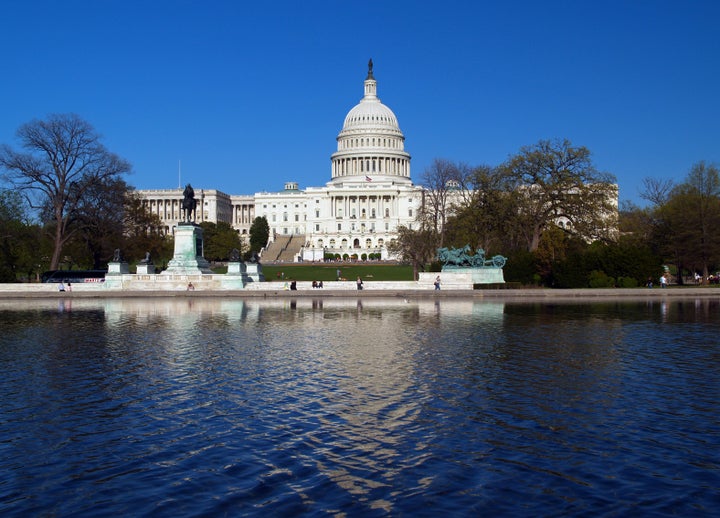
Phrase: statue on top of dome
(370,67)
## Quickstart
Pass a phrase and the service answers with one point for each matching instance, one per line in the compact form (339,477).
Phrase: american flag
(368,179)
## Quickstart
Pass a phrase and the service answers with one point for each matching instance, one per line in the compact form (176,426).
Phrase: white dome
(371,114)
(370,142)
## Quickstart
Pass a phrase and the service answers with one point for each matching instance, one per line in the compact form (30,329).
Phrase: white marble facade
(370,193)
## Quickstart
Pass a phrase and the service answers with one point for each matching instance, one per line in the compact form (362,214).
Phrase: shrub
(627,282)
(599,279)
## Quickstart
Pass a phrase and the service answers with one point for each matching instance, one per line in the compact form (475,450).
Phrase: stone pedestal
(146,269)
(188,257)
(235,277)
(118,268)
(462,278)
(236,268)
(114,276)
(254,272)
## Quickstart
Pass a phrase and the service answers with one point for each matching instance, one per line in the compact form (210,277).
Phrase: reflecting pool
(359,407)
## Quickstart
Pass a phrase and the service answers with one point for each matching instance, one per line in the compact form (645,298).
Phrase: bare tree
(63,159)
(556,180)
(656,191)
(417,247)
(439,180)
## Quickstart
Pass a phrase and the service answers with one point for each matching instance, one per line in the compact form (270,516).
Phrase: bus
(78,276)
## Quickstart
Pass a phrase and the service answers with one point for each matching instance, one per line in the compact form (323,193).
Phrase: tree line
(64,204)
(555,217)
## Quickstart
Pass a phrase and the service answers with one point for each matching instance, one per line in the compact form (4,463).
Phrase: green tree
(219,240)
(259,234)
(486,212)
(99,221)
(144,231)
(20,243)
(689,219)
(63,159)
(556,180)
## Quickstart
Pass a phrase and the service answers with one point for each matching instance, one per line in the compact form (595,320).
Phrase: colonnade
(354,166)
(363,206)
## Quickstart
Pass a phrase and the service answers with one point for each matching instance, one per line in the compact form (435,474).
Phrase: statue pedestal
(462,278)
(118,268)
(146,269)
(188,257)
(254,272)
(235,278)
(113,278)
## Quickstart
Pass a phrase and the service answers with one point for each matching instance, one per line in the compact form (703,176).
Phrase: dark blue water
(217,407)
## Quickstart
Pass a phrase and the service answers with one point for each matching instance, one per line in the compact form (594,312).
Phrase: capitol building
(369,195)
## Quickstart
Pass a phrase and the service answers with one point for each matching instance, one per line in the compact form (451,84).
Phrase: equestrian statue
(189,204)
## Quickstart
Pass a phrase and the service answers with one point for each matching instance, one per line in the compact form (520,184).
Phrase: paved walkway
(265,290)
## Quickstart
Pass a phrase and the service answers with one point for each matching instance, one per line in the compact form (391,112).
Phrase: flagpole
(179,181)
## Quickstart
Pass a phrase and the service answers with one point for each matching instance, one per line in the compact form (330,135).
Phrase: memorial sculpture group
(462,269)
(460,258)
(188,267)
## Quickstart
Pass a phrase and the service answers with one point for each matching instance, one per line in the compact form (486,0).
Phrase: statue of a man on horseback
(189,203)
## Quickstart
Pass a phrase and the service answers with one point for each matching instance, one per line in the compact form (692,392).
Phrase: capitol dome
(370,143)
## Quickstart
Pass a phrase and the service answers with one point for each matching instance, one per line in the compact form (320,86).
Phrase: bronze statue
(461,258)
(370,69)
(189,203)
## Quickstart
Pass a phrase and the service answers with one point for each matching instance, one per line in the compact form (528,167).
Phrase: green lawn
(327,272)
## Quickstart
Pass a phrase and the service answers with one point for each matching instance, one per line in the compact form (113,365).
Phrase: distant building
(358,211)
(369,195)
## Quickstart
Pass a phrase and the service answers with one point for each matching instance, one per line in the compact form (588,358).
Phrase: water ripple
(350,409)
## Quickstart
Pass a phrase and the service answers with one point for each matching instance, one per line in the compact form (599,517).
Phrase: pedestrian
(190,287)
(437,282)
(663,281)
(337,274)
(359,283)
(61,286)
(69,286)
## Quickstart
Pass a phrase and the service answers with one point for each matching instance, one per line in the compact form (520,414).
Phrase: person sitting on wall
(293,286)
(190,287)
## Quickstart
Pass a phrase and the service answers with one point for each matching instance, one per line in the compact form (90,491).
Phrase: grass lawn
(327,272)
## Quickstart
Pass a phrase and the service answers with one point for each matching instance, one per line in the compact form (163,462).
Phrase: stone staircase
(284,249)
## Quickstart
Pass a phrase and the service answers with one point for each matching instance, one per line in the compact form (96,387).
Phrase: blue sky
(248,95)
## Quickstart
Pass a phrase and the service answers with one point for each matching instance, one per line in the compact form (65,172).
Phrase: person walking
(437,282)
(359,283)
(663,281)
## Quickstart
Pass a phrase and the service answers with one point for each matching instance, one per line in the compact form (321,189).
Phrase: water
(346,407)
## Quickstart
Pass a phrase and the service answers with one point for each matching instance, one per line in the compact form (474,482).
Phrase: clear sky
(244,96)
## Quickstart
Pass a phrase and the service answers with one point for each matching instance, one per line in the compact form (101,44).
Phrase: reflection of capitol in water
(187,311)
(350,370)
